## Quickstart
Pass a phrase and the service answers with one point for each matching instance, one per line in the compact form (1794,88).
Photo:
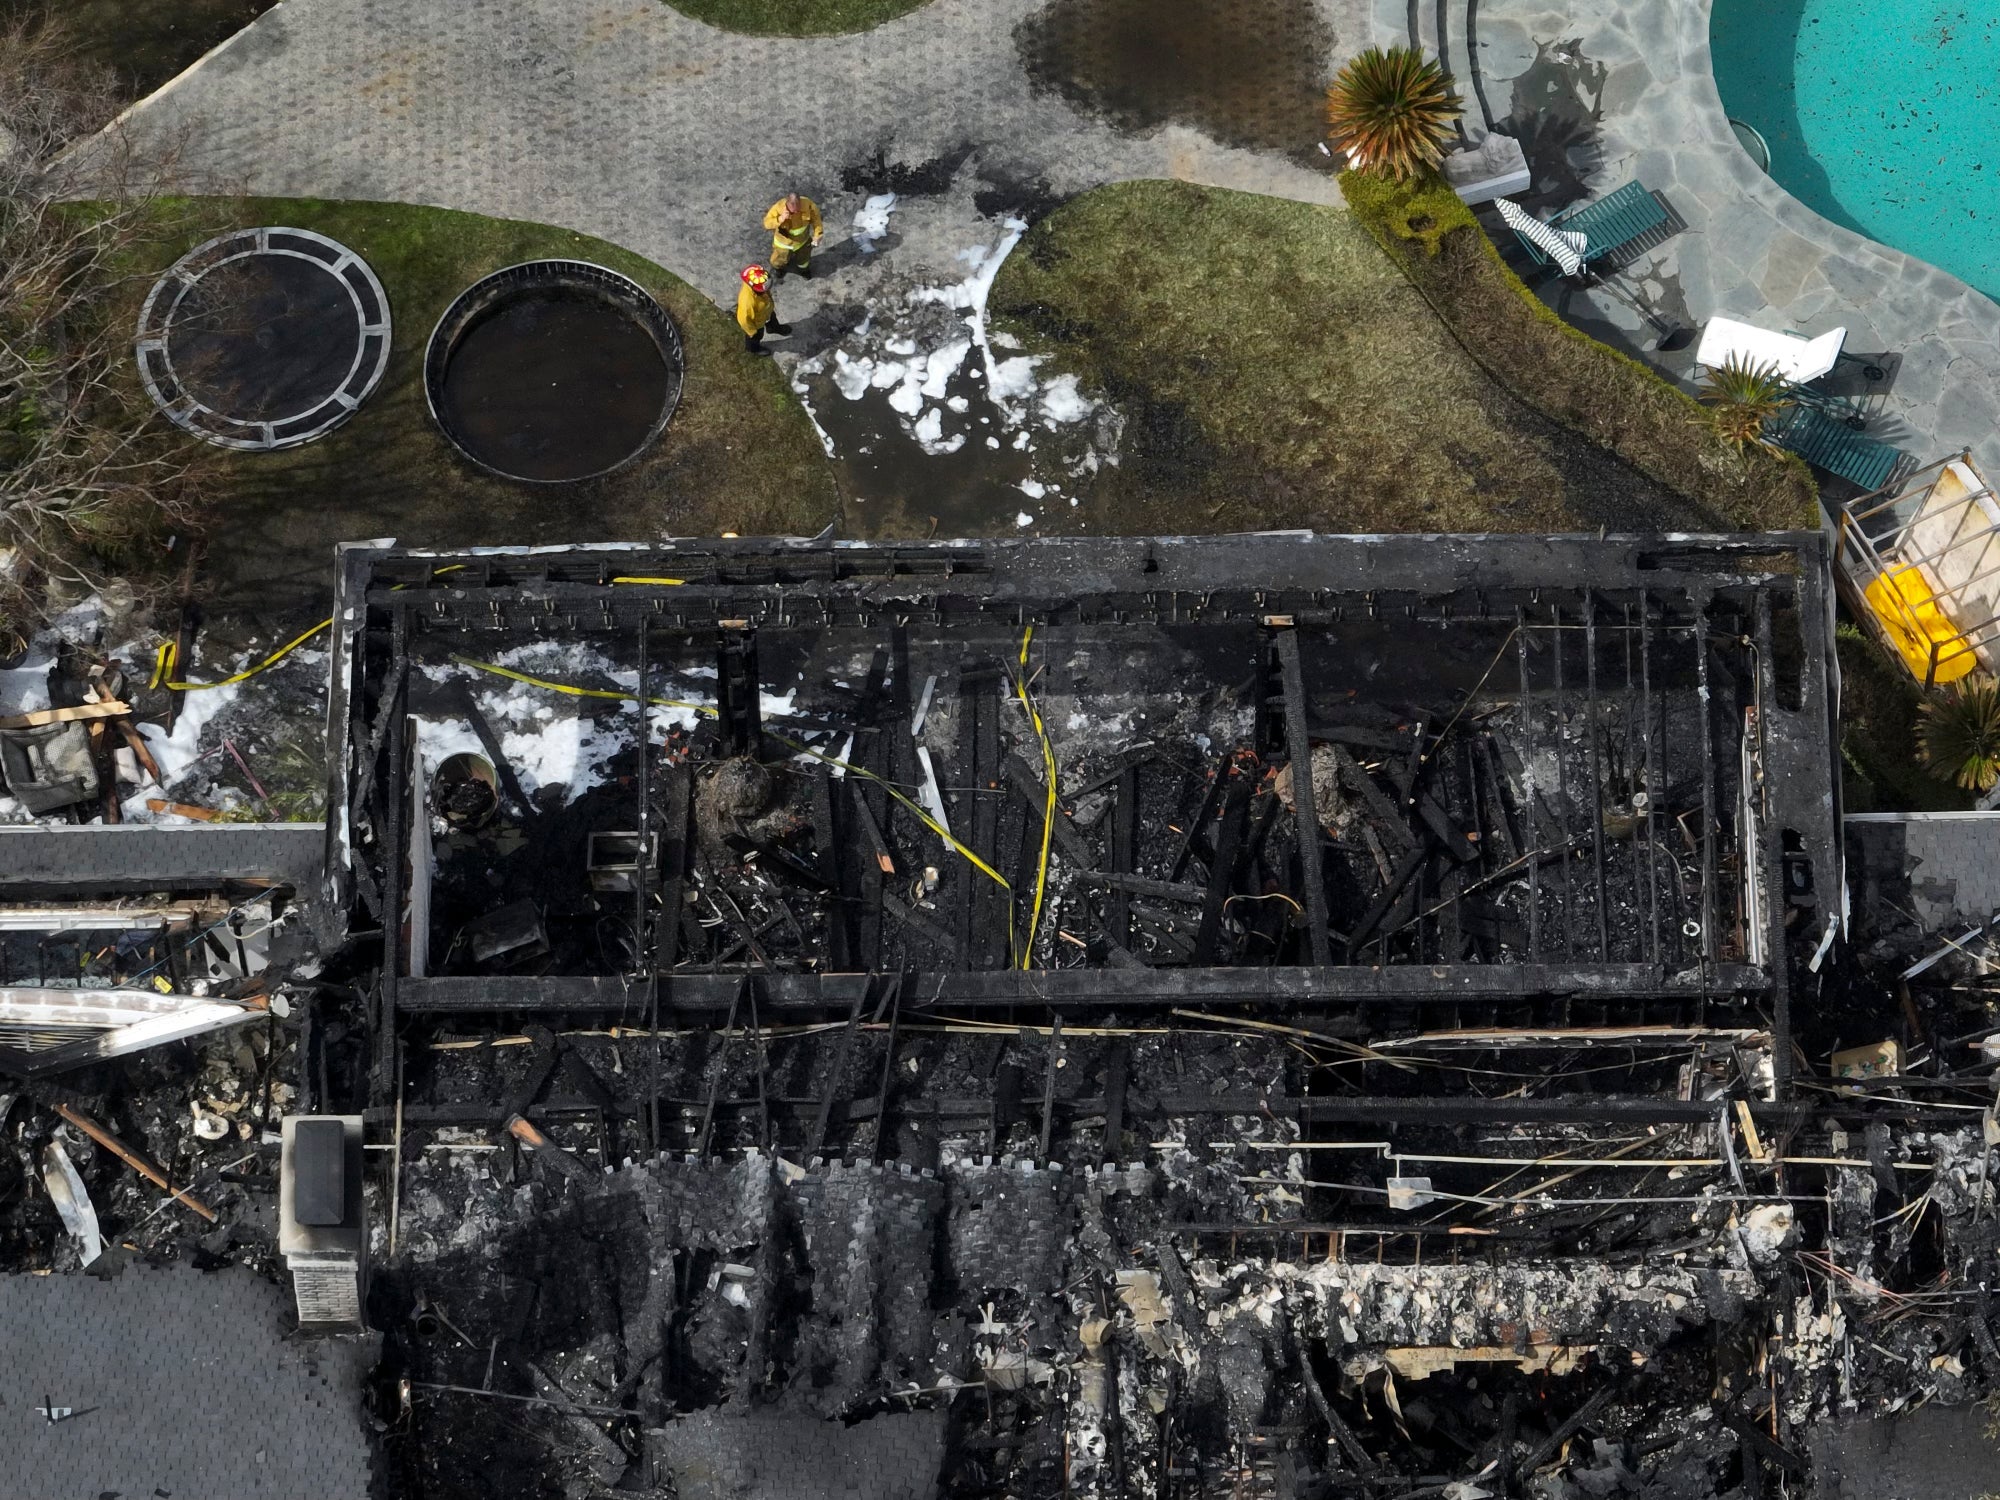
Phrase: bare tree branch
(86,462)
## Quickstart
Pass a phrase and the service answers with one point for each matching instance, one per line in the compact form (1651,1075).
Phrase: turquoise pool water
(1883,115)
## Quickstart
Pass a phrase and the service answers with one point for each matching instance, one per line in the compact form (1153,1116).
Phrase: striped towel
(1563,246)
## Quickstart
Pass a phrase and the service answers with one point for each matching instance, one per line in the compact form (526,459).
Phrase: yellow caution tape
(1048,811)
(925,818)
(580,692)
(168,656)
(164,663)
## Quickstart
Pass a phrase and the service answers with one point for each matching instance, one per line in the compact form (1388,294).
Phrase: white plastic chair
(1797,359)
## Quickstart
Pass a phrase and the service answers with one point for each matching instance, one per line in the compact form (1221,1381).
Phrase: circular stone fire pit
(263,338)
(552,371)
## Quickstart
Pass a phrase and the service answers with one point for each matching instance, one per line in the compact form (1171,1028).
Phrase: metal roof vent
(322,1227)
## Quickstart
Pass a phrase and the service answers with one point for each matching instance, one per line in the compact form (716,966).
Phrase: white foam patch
(934,336)
(801,390)
(871,221)
(177,752)
(850,376)
(1062,402)
(942,365)
(552,738)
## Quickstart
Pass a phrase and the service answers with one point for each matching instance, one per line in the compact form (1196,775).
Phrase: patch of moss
(795,17)
(1421,212)
(740,454)
(1274,368)
(1878,734)
(1606,396)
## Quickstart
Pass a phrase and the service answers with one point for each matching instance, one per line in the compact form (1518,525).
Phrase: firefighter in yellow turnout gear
(795,232)
(755,311)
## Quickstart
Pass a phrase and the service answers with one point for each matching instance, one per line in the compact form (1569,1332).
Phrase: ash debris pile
(1306,1016)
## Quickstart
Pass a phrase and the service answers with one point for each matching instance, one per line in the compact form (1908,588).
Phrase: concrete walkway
(1603,91)
(625,119)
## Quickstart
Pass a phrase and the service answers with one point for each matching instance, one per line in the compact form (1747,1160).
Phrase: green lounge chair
(1607,224)
(1817,431)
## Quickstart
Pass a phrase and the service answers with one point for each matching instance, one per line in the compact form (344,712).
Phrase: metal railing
(1884,538)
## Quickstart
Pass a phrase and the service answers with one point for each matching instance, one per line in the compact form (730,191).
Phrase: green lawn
(795,17)
(1275,369)
(740,454)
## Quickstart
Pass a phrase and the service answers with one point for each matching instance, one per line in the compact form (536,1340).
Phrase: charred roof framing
(1554,777)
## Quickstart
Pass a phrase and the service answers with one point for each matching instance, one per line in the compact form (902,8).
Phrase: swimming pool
(1882,115)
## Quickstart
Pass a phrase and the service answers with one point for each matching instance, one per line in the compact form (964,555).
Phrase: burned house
(1279,1015)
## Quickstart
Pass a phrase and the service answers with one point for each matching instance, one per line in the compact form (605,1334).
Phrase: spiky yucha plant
(1742,397)
(1391,110)
(1958,738)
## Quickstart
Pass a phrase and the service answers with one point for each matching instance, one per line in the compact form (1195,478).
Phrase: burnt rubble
(1296,1015)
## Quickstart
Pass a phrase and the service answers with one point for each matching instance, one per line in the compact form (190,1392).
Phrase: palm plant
(1958,737)
(1742,398)
(1391,110)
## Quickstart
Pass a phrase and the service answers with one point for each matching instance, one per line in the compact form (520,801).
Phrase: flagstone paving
(1604,91)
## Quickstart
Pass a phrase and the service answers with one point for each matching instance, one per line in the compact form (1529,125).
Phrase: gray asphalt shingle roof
(182,1385)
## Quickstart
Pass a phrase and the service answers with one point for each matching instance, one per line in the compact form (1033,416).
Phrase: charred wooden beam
(1386,818)
(883,1140)
(1025,777)
(836,1078)
(1305,801)
(843,881)
(1223,868)
(722,1063)
(1140,885)
(1049,1089)
(1116,1068)
(1197,826)
(1593,726)
(739,702)
(1124,854)
(685,992)
(931,931)
(510,784)
(1406,871)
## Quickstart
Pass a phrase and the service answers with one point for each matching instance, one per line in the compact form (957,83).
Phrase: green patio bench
(1606,223)
(1818,433)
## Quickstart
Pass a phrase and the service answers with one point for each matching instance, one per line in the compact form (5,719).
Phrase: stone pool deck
(1603,91)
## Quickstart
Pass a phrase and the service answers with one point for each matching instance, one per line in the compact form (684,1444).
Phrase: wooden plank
(140,752)
(182,809)
(109,709)
(132,1159)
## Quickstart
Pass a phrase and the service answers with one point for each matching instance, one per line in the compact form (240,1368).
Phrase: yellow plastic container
(1922,632)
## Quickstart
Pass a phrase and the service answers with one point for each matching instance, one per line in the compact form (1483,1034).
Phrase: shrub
(1958,739)
(1391,110)
(1742,397)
